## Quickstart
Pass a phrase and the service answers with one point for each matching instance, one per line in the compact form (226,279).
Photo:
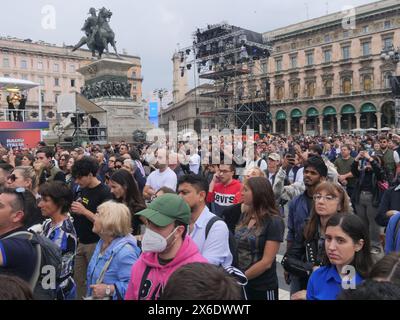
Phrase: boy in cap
(166,247)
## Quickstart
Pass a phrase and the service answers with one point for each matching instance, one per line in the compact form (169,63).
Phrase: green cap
(165,209)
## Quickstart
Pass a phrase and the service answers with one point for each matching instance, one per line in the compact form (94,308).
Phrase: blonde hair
(115,219)
(259,172)
(28,172)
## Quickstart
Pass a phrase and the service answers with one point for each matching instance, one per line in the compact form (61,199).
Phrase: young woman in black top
(259,234)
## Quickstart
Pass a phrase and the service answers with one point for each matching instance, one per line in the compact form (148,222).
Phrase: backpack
(48,254)
(232,240)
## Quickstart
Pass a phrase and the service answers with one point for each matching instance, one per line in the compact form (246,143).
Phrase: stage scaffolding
(230,58)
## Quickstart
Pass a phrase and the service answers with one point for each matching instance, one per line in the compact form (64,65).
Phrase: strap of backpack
(36,273)
(144,278)
(210,224)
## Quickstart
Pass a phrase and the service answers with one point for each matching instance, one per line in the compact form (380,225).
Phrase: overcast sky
(152,29)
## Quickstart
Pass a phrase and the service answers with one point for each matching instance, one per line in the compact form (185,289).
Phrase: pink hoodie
(159,275)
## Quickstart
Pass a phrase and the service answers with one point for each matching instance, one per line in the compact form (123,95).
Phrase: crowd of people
(142,222)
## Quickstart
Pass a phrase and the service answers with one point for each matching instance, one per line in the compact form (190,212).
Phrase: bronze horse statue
(98,33)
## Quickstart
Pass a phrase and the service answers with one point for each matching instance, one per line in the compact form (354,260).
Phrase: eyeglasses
(319,197)
(118,167)
(62,159)
(12,177)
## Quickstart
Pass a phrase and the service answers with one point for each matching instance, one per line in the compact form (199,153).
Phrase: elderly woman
(109,269)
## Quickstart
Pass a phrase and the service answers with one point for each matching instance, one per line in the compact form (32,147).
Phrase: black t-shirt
(19,256)
(251,246)
(91,199)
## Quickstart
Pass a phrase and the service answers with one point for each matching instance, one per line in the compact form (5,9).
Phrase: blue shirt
(216,247)
(124,252)
(325,283)
(392,243)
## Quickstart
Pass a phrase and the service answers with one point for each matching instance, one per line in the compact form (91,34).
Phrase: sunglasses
(12,177)
(118,167)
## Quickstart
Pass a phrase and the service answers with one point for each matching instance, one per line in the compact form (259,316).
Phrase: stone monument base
(123,115)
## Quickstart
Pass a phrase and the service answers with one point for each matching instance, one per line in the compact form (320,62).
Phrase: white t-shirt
(396,157)
(194,163)
(254,163)
(157,179)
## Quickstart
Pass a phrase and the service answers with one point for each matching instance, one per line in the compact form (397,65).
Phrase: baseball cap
(166,209)
(274,156)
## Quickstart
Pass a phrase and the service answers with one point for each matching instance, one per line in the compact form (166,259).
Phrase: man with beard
(315,172)
(162,177)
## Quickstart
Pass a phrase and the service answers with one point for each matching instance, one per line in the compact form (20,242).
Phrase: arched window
(367,83)
(346,85)
(328,85)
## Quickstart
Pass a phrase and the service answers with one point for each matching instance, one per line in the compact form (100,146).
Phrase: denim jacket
(125,253)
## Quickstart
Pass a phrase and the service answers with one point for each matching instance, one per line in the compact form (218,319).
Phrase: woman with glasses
(63,162)
(24,177)
(305,256)
(55,203)
(259,234)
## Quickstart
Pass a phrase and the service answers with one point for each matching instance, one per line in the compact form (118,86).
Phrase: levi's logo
(224,199)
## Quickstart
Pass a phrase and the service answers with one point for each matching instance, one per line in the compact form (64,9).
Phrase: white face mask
(155,242)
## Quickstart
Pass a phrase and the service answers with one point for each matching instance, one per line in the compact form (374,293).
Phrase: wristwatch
(108,290)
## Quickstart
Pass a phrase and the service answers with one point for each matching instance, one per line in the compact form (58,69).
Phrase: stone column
(378,120)
(288,123)
(339,125)
(304,124)
(321,125)
(273,125)
(358,120)
(350,116)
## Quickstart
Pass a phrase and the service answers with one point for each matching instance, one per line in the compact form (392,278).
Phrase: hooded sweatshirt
(158,275)
(224,196)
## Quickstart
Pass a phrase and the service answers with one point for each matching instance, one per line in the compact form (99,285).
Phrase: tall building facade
(54,68)
(326,77)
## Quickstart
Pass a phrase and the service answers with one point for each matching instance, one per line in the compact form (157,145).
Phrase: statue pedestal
(123,115)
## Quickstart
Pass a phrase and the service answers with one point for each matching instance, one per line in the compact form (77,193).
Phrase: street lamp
(393,54)
(160,93)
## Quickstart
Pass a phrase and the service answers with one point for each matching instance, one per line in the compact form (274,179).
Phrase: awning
(312,112)
(74,102)
(348,109)
(11,84)
(368,107)
(281,115)
(329,111)
(296,113)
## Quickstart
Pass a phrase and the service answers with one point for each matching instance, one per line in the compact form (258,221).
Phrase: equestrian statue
(98,33)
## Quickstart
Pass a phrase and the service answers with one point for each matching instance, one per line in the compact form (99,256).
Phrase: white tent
(17,85)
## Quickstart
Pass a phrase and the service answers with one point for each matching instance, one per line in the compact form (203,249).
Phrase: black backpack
(48,255)
(232,240)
